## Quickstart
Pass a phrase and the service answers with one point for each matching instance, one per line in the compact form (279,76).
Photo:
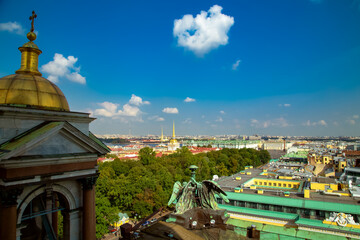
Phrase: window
(260,183)
(320,214)
(266,206)
(270,184)
(252,205)
(256,183)
(289,185)
(278,208)
(305,213)
(284,184)
(265,183)
(274,184)
(291,210)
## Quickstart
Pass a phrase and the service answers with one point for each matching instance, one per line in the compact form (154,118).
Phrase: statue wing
(215,188)
(177,189)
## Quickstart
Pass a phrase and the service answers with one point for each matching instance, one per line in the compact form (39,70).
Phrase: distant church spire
(173,136)
(162,135)
(173,144)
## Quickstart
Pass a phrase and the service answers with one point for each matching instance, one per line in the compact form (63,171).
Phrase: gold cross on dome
(32,20)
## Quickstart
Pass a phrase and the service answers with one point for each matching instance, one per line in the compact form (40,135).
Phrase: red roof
(351,153)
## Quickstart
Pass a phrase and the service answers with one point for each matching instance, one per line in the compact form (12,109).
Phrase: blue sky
(269,67)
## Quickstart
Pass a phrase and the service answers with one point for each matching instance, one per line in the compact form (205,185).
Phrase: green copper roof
(318,223)
(95,139)
(300,154)
(265,213)
(298,203)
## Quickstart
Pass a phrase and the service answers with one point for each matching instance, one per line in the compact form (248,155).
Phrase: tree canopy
(140,187)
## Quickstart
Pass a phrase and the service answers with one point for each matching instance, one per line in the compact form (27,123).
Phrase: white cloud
(318,123)
(207,31)
(129,111)
(189,100)
(236,65)
(12,27)
(187,121)
(222,112)
(352,121)
(322,123)
(171,110)
(355,116)
(285,105)
(62,67)
(254,121)
(137,101)
(76,77)
(156,118)
(219,119)
(109,109)
(277,122)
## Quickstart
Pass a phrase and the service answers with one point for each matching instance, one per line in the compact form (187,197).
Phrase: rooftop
(276,195)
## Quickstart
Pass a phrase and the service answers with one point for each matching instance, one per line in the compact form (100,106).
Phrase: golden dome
(27,88)
(173,141)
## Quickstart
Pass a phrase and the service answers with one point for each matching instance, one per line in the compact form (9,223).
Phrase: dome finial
(30,52)
(31,35)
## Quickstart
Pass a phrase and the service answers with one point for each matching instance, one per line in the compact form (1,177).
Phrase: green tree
(146,185)
(146,155)
(105,215)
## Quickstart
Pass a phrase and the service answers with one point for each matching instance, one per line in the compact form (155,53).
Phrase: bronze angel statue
(193,194)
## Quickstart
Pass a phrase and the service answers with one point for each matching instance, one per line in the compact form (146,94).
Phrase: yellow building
(271,183)
(341,164)
(315,158)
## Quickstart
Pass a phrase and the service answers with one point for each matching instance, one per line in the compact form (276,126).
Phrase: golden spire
(173,136)
(30,53)
(173,140)
(162,135)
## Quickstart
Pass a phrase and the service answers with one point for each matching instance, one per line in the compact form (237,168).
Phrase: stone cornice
(45,115)
(34,161)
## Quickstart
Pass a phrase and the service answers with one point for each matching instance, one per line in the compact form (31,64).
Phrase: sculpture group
(193,194)
(342,219)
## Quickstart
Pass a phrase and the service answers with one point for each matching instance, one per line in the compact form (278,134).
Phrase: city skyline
(214,67)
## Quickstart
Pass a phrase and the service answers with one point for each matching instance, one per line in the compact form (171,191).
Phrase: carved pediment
(51,139)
